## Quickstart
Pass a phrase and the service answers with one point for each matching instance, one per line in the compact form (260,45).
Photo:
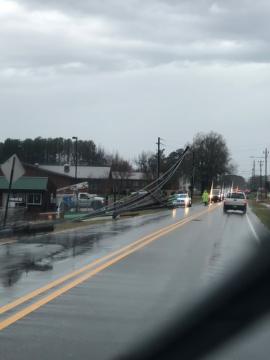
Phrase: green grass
(262,212)
(69,225)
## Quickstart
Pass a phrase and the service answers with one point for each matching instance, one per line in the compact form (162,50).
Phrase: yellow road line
(124,252)
(61,280)
(75,273)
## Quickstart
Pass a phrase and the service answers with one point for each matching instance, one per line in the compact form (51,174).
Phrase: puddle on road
(40,253)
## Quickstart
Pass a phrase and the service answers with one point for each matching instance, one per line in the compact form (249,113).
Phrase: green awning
(25,183)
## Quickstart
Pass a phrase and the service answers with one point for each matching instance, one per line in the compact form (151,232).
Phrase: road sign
(13,170)
(18,168)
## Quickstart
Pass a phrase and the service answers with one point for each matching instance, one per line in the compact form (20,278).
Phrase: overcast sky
(123,72)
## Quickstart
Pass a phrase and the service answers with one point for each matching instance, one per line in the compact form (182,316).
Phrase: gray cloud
(119,35)
(124,72)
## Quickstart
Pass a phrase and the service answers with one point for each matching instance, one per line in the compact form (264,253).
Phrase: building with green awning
(33,193)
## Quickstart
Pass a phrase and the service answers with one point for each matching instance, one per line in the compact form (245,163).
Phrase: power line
(151,190)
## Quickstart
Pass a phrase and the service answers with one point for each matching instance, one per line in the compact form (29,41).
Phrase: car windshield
(134,167)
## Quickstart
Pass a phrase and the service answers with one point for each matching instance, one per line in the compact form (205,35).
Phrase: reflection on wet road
(149,267)
(22,264)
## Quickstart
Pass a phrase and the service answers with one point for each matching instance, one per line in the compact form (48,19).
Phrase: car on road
(235,201)
(215,195)
(178,200)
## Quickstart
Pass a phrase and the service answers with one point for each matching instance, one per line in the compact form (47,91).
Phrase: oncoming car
(182,199)
(235,201)
(215,195)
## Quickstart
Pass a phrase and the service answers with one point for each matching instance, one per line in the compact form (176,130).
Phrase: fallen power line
(145,196)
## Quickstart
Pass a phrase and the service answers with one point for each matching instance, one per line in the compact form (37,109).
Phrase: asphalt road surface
(94,292)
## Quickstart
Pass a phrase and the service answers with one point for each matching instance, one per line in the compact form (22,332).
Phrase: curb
(6,233)
(7,241)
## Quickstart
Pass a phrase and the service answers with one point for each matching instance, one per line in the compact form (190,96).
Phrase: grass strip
(261,211)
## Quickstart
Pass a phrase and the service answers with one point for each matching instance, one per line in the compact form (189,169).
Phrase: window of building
(34,199)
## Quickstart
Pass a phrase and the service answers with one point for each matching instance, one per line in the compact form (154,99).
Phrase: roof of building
(25,183)
(83,172)
(133,175)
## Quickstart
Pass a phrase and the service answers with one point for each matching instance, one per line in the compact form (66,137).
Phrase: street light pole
(76,155)
(76,170)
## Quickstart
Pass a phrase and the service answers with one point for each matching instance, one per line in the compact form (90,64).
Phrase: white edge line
(252,229)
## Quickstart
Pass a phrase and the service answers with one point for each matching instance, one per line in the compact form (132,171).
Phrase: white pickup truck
(235,201)
(84,200)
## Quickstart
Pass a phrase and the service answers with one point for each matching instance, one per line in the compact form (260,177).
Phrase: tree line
(53,151)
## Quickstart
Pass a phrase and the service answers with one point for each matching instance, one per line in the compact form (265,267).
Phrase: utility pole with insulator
(254,175)
(266,153)
(193,175)
(260,164)
(158,158)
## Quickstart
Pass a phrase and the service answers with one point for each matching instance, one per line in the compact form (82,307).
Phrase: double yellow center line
(78,276)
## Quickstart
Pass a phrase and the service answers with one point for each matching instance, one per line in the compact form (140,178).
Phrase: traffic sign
(18,168)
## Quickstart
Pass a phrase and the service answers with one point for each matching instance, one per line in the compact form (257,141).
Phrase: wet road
(91,293)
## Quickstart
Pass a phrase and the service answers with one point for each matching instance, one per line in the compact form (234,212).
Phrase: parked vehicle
(82,201)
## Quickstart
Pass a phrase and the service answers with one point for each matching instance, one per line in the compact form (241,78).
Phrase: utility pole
(159,143)
(260,164)
(193,175)
(253,179)
(158,158)
(266,153)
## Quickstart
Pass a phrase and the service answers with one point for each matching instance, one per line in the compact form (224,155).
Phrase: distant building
(127,182)
(98,177)
(101,180)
